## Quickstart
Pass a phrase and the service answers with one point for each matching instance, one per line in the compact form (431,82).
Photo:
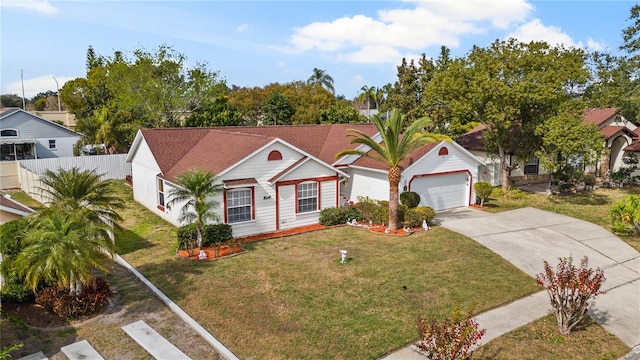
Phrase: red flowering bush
(451,339)
(570,289)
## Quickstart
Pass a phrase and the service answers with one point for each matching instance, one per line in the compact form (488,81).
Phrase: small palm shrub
(339,215)
(454,338)
(483,190)
(414,217)
(570,289)
(625,215)
(410,199)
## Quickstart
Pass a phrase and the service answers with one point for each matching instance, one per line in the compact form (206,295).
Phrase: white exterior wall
(64,146)
(432,163)
(368,183)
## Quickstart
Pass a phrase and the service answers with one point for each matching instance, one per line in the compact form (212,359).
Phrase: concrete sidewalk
(526,238)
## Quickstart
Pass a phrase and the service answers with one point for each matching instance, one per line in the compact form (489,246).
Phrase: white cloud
(364,39)
(242,28)
(34,86)
(535,30)
(39,6)
(594,45)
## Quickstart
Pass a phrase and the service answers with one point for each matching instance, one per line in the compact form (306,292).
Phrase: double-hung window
(239,202)
(307,197)
(161,194)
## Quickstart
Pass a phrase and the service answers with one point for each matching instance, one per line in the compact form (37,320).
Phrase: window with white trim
(239,202)
(161,193)
(307,197)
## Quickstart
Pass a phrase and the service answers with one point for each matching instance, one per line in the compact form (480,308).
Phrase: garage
(442,191)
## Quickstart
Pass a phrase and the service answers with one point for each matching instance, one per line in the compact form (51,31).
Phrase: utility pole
(58,93)
(24,107)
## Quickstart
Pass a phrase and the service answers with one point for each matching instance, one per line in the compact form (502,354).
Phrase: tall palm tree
(74,189)
(366,95)
(320,77)
(394,148)
(64,248)
(196,187)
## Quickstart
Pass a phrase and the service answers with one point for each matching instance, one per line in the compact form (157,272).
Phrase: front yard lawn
(291,298)
(592,206)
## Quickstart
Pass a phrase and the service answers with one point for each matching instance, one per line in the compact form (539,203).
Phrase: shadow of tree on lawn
(129,241)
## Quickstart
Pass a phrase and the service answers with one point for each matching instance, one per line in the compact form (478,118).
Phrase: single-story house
(280,177)
(24,135)
(619,135)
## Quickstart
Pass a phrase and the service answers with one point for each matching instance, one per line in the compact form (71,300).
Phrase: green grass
(541,340)
(592,206)
(291,298)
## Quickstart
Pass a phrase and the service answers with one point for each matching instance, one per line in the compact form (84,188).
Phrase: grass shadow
(129,241)
(581,198)
(176,283)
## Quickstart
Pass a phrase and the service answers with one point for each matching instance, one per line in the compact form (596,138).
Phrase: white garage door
(442,191)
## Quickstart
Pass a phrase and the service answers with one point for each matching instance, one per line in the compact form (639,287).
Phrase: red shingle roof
(597,116)
(415,156)
(216,149)
(473,139)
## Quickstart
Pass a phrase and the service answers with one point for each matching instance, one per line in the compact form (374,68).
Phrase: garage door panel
(442,191)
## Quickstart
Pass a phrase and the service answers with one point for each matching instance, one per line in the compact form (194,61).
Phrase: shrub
(91,300)
(10,246)
(339,215)
(11,234)
(410,199)
(216,236)
(483,190)
(366,208)
(414,217)
(589,180)
(187,237)
(625,215)
(380,214)
(570,289)
(452,339)
(516,194)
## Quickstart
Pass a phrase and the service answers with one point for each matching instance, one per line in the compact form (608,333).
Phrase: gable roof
(473,139)
(14,112)
(9,205)
(597,116)
(322,141)
(610,131)
(367,162)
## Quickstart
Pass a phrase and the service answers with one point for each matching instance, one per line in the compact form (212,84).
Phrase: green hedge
(212,234)
(410,198)
(339,215)
(414,217)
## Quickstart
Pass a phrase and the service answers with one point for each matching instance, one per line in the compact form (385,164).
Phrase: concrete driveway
(527,237)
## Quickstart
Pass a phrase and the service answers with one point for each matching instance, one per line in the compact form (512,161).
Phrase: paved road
(526,238)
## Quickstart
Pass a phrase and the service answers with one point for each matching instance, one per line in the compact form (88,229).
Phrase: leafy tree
(395,146)
(11,100)
(321,78)
(342,112)
(511,87)
(196,187)
(277,110)
(483,191)
(216,112)
(249,102)
(64,248)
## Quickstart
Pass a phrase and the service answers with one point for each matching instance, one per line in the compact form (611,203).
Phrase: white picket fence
(110,166)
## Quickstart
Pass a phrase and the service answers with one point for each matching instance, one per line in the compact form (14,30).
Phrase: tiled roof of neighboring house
(634,146)
(370,163)
(610,130)
(8,204)
(597,116)
(473,139)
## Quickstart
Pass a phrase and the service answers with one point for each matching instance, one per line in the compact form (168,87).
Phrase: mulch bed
(211,255)
(32,314)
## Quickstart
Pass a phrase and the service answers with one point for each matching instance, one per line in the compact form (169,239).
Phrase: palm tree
(63,248)
(366,95)
(394,148)
(197,187)
(74,190)
(320,77)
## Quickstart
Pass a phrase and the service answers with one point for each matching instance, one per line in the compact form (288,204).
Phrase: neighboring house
(24,135)
(11,209)
(65,117)
(619,135)
(280,177)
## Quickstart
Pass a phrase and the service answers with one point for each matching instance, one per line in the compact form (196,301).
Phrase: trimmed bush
(483,190)
(217,234)
(589,180)
(410,199)
(339,215)
(187,237)
(570,289)
(415,216)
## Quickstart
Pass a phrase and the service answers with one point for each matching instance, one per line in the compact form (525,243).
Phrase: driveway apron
(527,237)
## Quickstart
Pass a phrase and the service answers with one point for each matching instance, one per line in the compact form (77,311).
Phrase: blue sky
(254,43)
